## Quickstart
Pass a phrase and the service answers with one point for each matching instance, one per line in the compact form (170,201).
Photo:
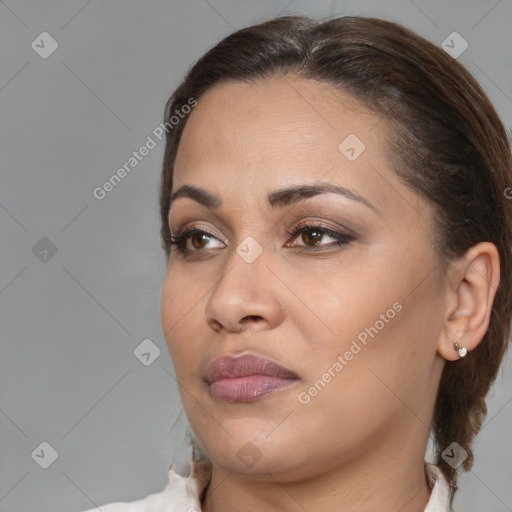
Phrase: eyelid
(338,234)
(322,223)
(185,228)
(184,235)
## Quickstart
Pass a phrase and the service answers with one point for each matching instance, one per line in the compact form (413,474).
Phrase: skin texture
(359,443)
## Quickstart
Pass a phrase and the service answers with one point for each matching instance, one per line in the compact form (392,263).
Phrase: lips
(246,378)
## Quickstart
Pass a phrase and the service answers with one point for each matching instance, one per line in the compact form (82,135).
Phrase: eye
(199,239)
(312,234)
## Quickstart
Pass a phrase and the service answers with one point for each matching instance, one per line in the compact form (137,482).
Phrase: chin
(252,451)
(252,460)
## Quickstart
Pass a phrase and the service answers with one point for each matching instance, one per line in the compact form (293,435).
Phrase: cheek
(168,305)
(341,304)
(386,339)
(178,313)
(181,299)
(368,318)
(183,322)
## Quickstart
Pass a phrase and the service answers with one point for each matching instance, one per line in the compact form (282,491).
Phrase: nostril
(251,318)
(215,325)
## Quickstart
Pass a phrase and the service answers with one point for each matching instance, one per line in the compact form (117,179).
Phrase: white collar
(192,487)
(440,490)
(185,493)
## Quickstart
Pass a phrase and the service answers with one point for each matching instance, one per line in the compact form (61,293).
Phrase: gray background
(70,322)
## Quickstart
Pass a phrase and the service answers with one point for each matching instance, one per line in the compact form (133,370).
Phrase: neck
(390,479)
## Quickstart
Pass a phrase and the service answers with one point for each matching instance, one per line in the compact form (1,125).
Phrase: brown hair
(446,142)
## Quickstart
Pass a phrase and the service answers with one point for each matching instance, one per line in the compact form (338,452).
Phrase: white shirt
(182,494)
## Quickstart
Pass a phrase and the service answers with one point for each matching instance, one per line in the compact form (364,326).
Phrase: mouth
(246,378)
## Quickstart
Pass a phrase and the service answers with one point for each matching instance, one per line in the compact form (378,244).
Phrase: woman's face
(355,324)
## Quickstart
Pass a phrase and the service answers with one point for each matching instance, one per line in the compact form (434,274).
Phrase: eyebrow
(276,199)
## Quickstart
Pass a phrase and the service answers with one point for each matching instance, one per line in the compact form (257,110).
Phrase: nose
(246,296)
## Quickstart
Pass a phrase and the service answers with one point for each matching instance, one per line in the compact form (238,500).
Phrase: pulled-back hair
(445,142)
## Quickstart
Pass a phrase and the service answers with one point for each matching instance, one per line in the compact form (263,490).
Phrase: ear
(472,284)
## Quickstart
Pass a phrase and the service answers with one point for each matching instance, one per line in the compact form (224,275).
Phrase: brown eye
(199,240)
(312,236)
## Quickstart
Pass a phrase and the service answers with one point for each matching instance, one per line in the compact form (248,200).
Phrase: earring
(461,350)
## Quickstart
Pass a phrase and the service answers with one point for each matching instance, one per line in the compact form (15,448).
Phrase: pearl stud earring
(461,350)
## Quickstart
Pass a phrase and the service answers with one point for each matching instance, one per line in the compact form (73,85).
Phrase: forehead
(263,124)
(245,138)
(285,112)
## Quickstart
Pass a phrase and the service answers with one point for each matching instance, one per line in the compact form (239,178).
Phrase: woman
(338,284)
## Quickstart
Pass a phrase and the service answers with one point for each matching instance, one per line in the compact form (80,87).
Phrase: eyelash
(180,240)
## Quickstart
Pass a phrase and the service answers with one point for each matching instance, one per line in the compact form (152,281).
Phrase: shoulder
(181,494)
(440,489)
